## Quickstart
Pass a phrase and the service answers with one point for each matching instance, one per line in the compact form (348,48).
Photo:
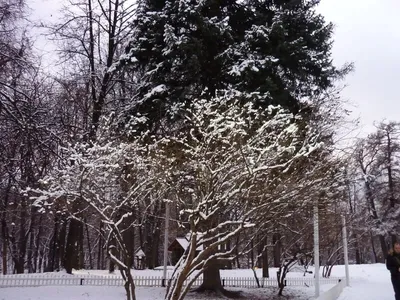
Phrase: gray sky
(367,33)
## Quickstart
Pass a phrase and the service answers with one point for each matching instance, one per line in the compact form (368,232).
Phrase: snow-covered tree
(108,181)
(274,53)
(27,142)
(278,52)
(88,35)
(227,162)
(377,161)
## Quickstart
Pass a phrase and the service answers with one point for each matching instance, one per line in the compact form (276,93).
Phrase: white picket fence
(147,281)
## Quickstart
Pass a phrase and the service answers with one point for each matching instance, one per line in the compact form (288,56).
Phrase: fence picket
(147,281)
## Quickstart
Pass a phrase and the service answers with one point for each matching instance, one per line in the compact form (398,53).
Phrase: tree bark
(212,278)
(373,248)
(265,266)
(61,244)
(4,246)
(228,248)
(81,253)
(375,217)
(37,245)
(384,247)
(53,247)
(276,240)
(212,281)
(71,249)
(392,197)
(30,252)
(252,254)
(100,252)
(89,246)
(19,261)
(357,248)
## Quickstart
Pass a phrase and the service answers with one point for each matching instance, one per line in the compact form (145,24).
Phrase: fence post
(82,279)
(284,282)
(223,282)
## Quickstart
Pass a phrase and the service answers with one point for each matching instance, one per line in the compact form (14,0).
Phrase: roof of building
(184,243)
(140,253)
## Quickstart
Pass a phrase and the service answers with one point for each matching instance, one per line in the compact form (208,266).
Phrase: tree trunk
(30,252)
(31,244)
(156,246)
(392,197)
(129,240)
(212,281)
(81,256)
(375,216)
(357,248)
(384,247)
(212,278)
(129,284)
(37,245)
(100,253)
(276,240)
(71,250)
(89,246)
(237,251)
(252,254)
(228,248)
(373,248)
(4,228)
(40,262)
(53,247)
(152,235)
(61,244)
(22,241)
(265,270)
(111,267)
(4,245)
(282,272)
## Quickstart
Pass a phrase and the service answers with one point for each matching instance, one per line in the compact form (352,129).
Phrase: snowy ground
(368,282)
(117,293)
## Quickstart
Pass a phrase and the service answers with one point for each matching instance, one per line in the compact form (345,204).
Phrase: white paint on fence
(149,281)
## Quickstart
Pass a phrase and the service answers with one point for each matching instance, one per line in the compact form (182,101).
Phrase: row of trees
(226,111)
(374,185)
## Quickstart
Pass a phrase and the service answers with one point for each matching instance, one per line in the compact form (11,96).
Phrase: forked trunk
(212,281)
(129,285)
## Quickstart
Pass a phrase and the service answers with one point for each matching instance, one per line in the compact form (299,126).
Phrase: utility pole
(316,248)
(345,251)
(166,242)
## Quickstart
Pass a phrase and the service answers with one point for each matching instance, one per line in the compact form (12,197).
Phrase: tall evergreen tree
(276,51)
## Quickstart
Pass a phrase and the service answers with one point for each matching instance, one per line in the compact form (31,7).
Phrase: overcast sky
(367,33)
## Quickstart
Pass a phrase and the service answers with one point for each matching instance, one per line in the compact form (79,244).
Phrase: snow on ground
(117,293)
(367,282)
(76,293)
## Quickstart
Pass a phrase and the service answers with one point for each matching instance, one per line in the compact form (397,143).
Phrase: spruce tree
(276,51)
